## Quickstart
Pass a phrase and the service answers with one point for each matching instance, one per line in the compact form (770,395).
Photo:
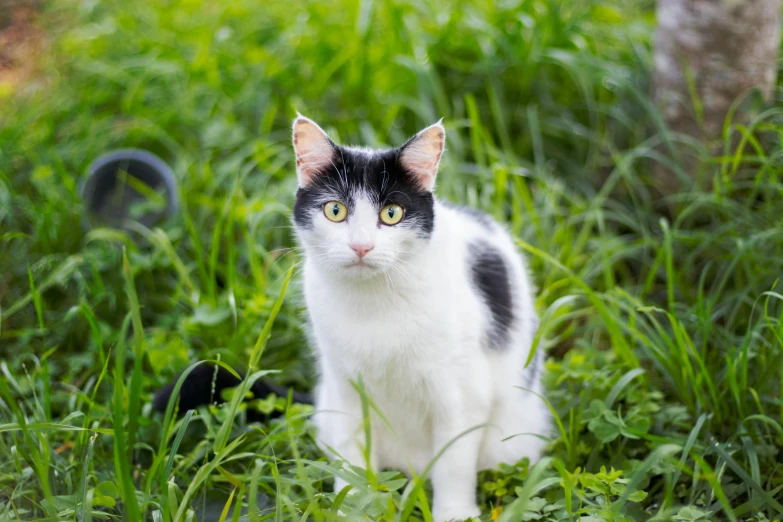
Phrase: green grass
(663,316)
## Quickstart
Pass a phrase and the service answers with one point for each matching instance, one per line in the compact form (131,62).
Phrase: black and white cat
(430,305)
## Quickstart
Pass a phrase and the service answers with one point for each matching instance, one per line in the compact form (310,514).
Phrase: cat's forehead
(365,157)
(363,152)
(368,169)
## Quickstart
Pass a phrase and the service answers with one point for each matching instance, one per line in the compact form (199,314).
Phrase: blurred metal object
(129,185)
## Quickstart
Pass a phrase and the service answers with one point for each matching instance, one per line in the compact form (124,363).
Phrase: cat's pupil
(391,212)
(335,209)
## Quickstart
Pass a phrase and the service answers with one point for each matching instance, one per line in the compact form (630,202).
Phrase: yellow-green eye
(335,211)
(391,214)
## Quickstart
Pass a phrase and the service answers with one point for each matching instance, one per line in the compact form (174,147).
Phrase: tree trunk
(707,54)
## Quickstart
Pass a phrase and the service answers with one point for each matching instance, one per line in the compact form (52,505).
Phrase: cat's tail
(204,384)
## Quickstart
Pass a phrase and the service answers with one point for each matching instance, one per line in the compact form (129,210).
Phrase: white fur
(409,322)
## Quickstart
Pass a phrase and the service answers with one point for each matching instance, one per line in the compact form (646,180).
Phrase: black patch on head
(379,175)
(485,220)
(491,279)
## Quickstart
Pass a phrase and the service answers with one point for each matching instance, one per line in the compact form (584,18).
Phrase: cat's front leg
(339,420)
(454,473)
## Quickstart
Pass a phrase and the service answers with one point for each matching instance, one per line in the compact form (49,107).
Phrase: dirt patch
(20,41)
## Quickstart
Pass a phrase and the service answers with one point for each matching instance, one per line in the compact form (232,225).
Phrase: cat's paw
(455,512)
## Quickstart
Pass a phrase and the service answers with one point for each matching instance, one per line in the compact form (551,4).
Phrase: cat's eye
(335,211)
(391,214)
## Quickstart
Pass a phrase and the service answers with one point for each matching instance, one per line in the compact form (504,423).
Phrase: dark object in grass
(204,386)
(129,185)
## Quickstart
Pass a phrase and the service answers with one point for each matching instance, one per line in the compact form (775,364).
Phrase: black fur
(380,175)
(204,385)
(491,278)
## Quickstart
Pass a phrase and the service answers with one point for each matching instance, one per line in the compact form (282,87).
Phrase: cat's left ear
(421,155)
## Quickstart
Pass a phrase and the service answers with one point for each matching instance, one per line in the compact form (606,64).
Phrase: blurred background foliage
(660,310)
(212,88)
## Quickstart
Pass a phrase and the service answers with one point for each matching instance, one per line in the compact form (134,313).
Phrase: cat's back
(478,234)
(493,268)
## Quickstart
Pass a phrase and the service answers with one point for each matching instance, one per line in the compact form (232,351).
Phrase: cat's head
(362,213)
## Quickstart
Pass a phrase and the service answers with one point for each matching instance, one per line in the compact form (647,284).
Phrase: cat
(425,306)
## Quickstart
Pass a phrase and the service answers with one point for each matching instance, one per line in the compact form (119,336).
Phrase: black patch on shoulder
(485,220)
(378,174)
(491,278)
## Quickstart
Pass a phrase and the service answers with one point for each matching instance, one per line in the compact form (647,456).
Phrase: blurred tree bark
(707,54)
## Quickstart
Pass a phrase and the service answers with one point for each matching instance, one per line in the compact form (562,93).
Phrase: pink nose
(361,249)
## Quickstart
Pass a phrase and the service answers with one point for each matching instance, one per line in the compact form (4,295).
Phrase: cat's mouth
(361,265)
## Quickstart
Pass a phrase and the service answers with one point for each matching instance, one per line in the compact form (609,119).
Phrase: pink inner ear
(421,155)
(313,148)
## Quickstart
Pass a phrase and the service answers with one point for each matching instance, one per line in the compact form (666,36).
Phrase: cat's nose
(361,249)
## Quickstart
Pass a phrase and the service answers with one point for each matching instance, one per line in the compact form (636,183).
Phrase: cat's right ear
(314,150)
(421,155)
